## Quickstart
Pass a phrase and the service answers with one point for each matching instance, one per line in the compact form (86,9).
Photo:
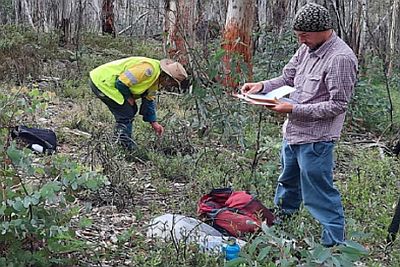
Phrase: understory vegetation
(89,204)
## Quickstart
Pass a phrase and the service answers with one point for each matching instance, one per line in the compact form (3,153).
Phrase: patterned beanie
(312,18)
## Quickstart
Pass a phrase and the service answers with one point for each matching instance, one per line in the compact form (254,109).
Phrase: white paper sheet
(268,99)
(277,93)
(253,101)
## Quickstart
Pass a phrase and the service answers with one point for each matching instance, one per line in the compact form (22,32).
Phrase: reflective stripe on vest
(104,77)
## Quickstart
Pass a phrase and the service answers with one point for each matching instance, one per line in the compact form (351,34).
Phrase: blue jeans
(307,177)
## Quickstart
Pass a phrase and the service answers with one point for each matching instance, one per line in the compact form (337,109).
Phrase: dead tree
(179,28)
(107,17)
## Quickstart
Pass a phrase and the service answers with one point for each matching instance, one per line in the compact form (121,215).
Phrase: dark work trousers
(123,114)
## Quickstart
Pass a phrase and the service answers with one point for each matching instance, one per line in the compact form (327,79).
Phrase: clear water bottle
(231,250)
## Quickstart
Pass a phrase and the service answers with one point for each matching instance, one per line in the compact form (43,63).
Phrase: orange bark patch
(236,41)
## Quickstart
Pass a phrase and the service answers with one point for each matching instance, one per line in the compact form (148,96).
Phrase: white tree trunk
(28,13)
(170,24)
(392,37)
(16,4)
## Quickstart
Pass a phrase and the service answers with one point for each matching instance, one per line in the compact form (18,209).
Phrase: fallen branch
(130,26)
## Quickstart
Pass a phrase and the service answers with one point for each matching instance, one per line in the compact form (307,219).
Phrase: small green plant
(273,248)
(37,199)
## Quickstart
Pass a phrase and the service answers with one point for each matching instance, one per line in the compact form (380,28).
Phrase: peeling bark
(107,17)
(179,25)
(237,40)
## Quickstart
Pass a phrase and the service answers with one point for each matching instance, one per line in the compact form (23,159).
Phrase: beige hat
(174,69)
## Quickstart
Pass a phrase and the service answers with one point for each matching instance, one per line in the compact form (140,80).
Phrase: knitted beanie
(312,18)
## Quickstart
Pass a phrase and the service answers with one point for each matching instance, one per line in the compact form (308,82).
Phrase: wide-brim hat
(174,69)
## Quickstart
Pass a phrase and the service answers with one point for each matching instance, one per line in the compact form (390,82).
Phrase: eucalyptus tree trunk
(340,19)
(43,15)
(186,28)
(125,11)
(92,20)
(27,12)
(237,40)
(64,22)
(219,8)
(261,24)
(353,24)
(107,17)
(171,41)
(279,13)
(362,33)
(392,37)
(262,9)
(179,24)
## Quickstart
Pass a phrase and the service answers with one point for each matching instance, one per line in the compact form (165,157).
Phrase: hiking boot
(122,136)
(128,145)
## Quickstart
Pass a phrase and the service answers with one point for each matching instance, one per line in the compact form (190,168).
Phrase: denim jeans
(307,177)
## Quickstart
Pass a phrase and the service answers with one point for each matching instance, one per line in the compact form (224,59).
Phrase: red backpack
(233,212)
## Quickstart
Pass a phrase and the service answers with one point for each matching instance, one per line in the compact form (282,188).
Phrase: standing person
(119,84)
(323,71)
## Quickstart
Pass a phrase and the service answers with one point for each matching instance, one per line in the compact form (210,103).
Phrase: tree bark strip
(237,40)
(107,17)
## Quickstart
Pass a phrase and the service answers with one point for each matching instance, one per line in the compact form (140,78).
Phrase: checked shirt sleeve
(340,80)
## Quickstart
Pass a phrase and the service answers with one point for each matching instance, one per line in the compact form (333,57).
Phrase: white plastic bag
(179,228)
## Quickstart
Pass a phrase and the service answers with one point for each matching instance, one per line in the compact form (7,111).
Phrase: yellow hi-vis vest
(104,77)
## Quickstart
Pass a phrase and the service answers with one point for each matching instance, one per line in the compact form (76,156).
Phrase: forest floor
(114,210)
(210,141)
(120,214)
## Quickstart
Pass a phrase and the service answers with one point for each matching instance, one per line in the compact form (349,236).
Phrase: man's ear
(162,75)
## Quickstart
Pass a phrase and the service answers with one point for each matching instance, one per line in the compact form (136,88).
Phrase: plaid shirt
(324,80)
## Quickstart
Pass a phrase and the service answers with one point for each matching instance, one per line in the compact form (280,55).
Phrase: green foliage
(6,7)
(171,255)
(73,89)
(21,104)
(370,106)
(273,54)
(121,45)
(372,180)
(38,194)
(174,169)
(273,248)
(211,140)
(10,38)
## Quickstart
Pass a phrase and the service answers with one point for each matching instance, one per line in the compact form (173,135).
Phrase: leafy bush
(370,106)
(38,194)
(376,98)
(272,248)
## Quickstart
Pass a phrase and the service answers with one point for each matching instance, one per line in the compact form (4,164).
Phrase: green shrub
(38,194)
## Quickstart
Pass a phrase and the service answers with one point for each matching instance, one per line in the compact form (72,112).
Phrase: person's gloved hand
(251,88)
(158,129)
